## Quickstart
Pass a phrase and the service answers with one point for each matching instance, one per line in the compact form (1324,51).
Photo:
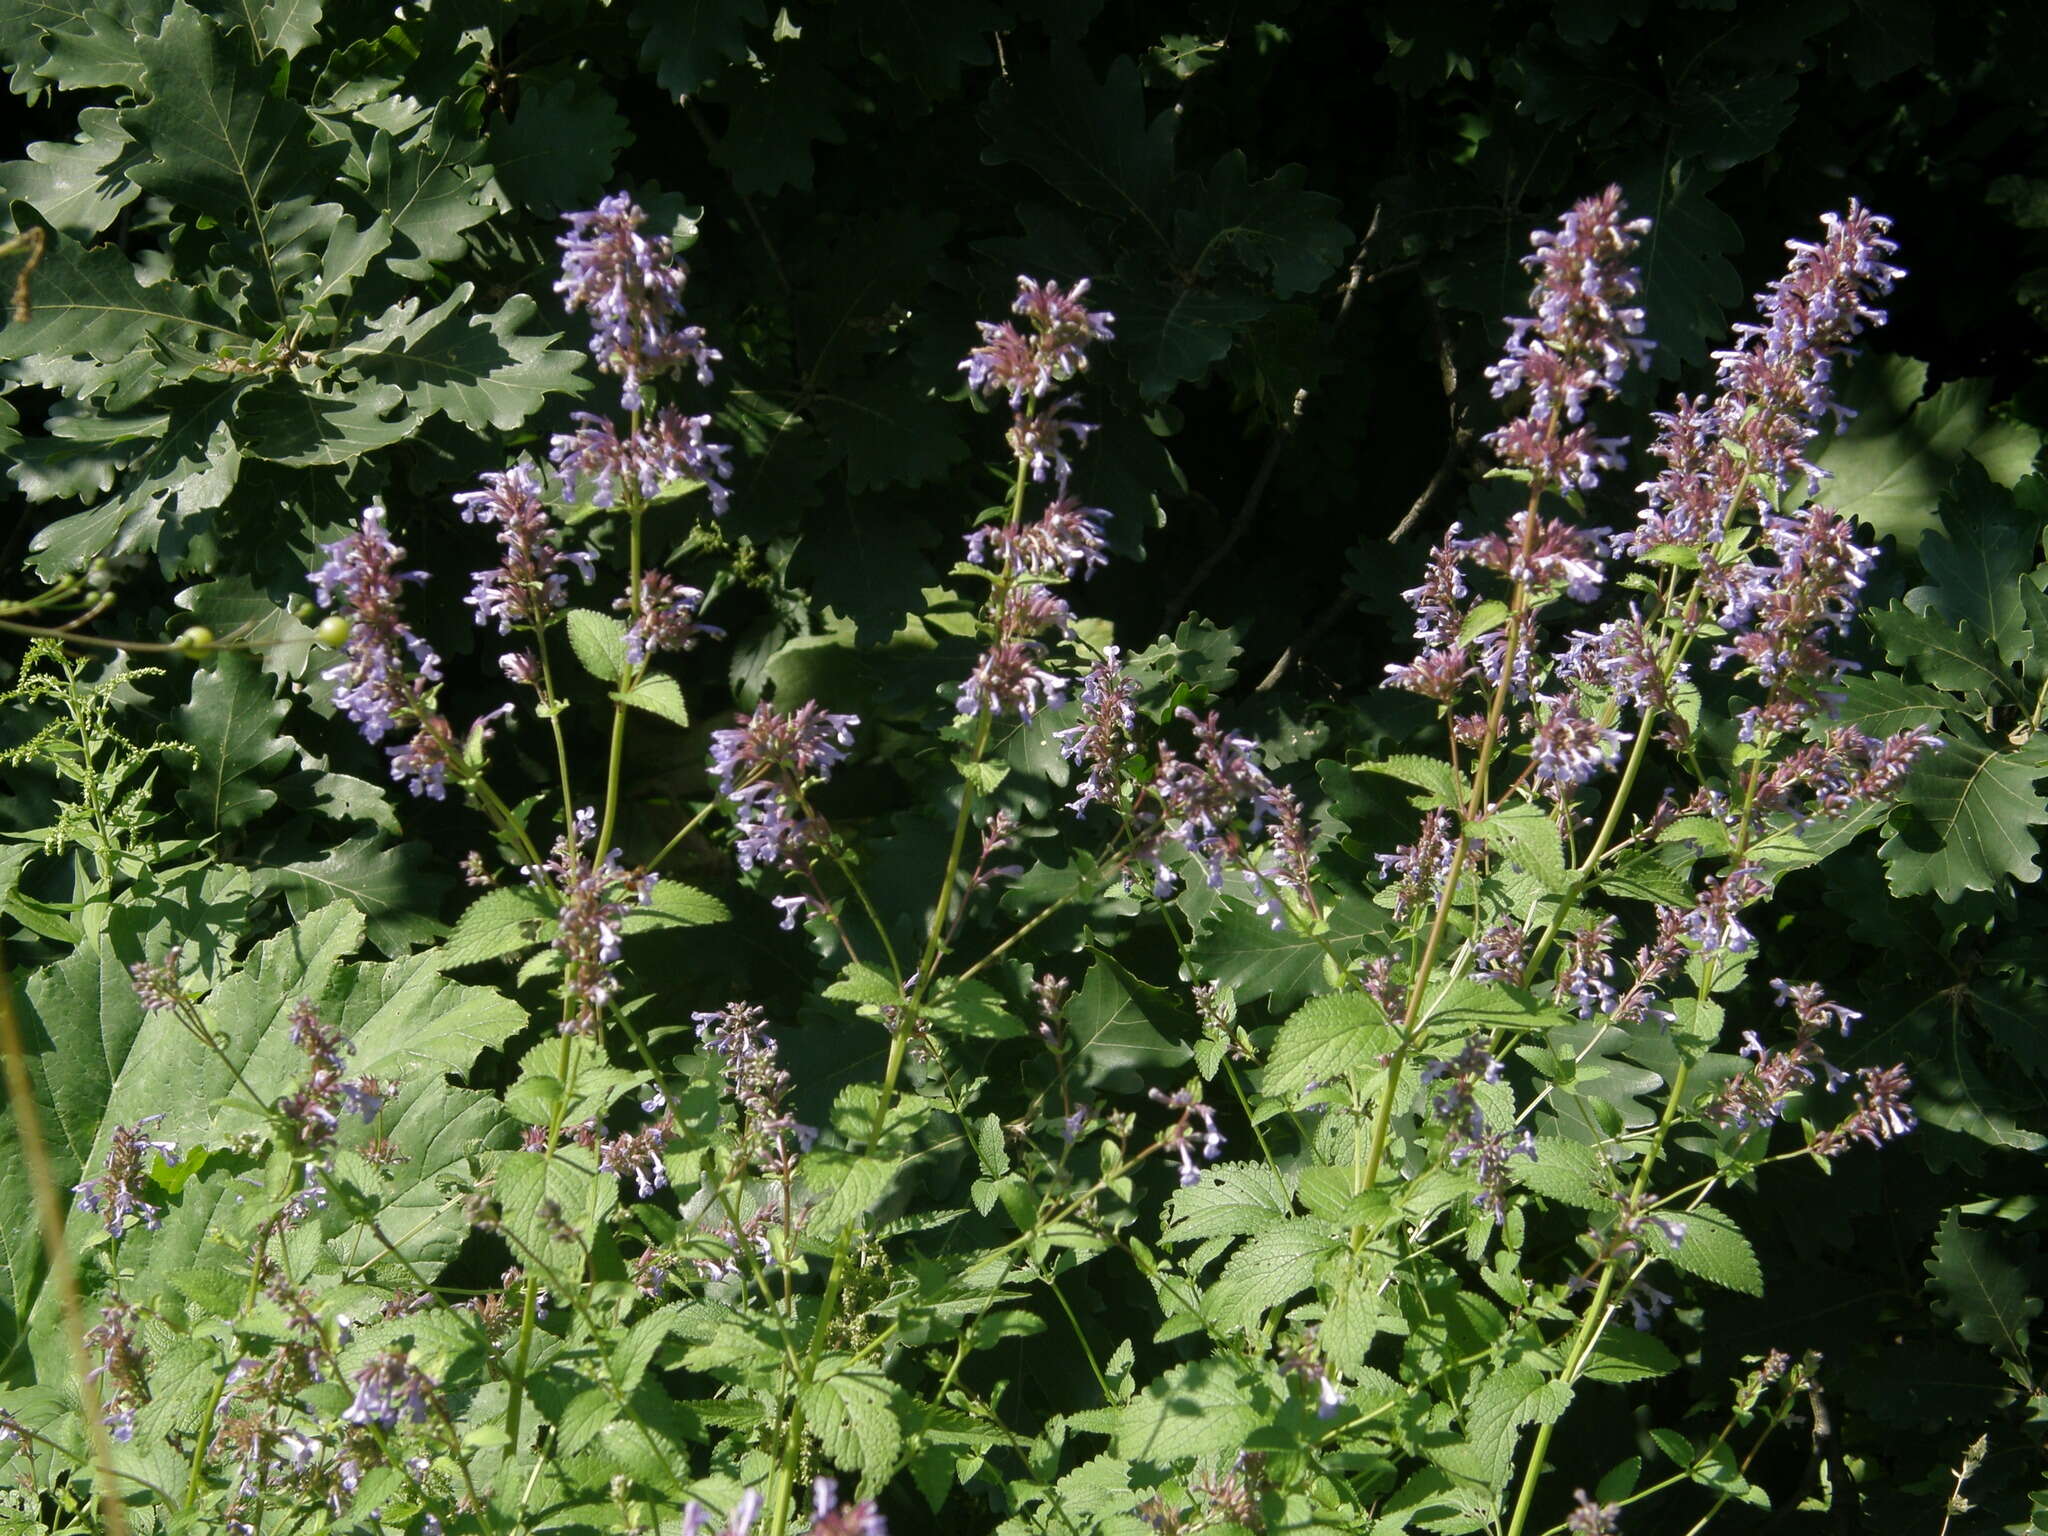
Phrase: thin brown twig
(1248,509)
(1455,453)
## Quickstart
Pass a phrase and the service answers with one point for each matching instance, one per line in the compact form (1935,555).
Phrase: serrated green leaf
(558,149)
(1327,1039)
(90,304)
(1566,1171)
(852,1409)
(674,903)
(1971,811)
(1114,1023)
(973,1010)
(1274,227)
(551,1206)
(1982,1289)
(1265,1270)
(290,26)
(1881,704)
(1430,774)
(1714,1249)
(289,424)
(1229,1200)
(477,368)
(232,719)
(223,145)
(599,641)
(430,189)
(395,886)
(76,187)
(497,923)
(689,41)
(1647,876)
(1689,283)
(1623,1355)
(1505,1400)
(1527,836)
(865,985)
(1901,452)
(1980,555)
(658,694)
(1197,1409)
(1951,656)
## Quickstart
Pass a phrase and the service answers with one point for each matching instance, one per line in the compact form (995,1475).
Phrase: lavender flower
(1544,552)
(1438,616)
(756,1084)
(667,620)
(632,287)
(1466,1135)
(744,1514)
(1102,742)
(1220,797)
(1586,967)
(639,1153)
(385,682)
(1065,539)
(1881,1112)
(1009,680)
(668,449)
(1306,1364)
(1720,456)
(593,894)
(1567,749)
(1592,1518)
(829,1517)
(1031,367)
(1435,674)
(1713,923)
(763,764)
(378,685)
(387,1389)
(156,985)
(117,1192)
(122,1369)
(530,584)
(315,1109)
(1422,866)
(1192,1113)
(1585,335)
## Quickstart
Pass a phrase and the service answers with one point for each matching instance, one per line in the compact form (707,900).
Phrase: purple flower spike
(668,618)
(762,764)
(117,1192)
(1585,335)
(631,285)
(1008,362)
(664,451)
(530,583)
(1102,743)
(387,1389)
(378,686)
(594,896)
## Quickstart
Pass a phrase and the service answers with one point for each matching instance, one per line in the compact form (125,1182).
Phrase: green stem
(554,711)
(682,832)
(617,756)
(906,1020)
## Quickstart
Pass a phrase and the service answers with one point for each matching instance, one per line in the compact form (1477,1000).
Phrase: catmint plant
(1397,1146)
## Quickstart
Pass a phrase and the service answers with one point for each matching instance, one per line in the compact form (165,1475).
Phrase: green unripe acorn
(332,632)
(196,641)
